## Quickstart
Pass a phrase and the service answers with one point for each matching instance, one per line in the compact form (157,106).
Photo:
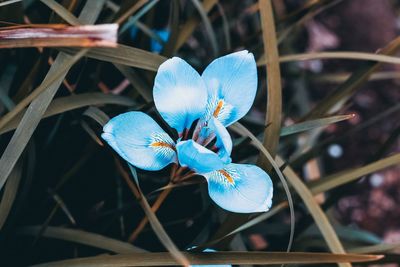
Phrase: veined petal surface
(240,188)
(197,157)
(138,139)
(231,82)
(179,94)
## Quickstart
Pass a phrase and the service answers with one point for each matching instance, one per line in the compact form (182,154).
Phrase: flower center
(218,108)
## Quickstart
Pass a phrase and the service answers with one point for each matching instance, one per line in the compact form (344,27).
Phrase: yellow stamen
(227,176)
(218,108)
(162,144)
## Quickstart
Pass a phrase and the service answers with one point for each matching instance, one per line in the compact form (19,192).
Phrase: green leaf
(10,192)
(312,124)
(343,177)
(274,84)
(124,55)
(81,237)
(67,103)
(315,210)
(256,258)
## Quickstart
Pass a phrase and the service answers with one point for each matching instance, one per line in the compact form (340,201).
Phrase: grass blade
(67,103)
(189,27)
(9,2)
(157,226)
(312,124)
(245,132)
(274,100)
(125,55)
(316,212)
(341,178)
(207,24)
(256,258)
(62,12)
(10,192)
(82,237)
(337,55)
(375,248)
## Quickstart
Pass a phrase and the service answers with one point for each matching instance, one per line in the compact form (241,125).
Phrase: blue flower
(199,108)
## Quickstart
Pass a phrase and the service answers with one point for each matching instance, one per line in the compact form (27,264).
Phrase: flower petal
(241,188)
(215,129)
(231,82)
(224,140)
(138,139)
(179,93)
(197,157)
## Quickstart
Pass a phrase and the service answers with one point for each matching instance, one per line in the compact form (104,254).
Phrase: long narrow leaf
(335,180)
(255,258)
(82,237)
(274,87)
(316,211)
(67,103)
(125,55)
(312,124)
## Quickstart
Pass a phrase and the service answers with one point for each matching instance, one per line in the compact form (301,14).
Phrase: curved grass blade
(189,27)
(82,237)
(274,87)
(375,248)
(157,226)
(67,103)
(9,2)
(174,28)
(137,82)
(207,24)
(10,192)
(315,210)
(134,20)
(125,55)
(255,258)
(341,178)
(62,12)
(96,114)
(245,132)
(131,11)
(338,55)
(312,124)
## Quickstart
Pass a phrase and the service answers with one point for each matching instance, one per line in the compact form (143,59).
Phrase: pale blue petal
(138,139)
(224,140)
(179,93)
(231,81)
(214,129)
(240,188)
(197,157)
